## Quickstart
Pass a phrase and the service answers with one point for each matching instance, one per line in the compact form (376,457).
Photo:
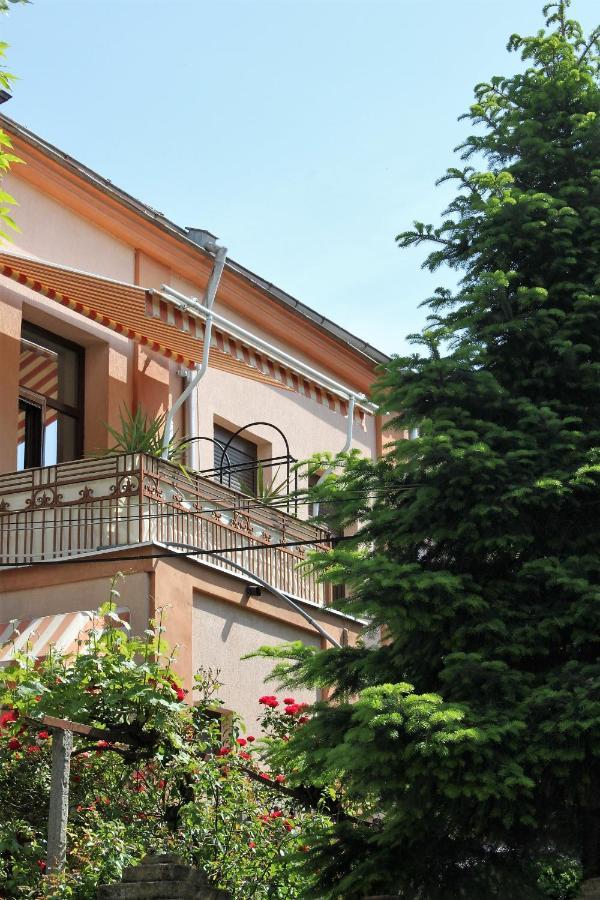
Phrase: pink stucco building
(92,321)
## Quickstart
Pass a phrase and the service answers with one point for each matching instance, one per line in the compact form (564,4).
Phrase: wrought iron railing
(75,508)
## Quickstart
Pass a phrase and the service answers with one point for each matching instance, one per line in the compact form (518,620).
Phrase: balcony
(64,511)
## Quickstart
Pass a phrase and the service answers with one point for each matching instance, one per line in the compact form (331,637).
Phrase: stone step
(154,890)
(163,871)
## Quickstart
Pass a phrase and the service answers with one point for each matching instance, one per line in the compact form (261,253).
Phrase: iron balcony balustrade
(66,510)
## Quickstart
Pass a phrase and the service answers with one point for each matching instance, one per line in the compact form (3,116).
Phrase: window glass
(49,366)
(50,414)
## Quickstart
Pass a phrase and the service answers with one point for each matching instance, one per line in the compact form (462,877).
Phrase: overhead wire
(83,555)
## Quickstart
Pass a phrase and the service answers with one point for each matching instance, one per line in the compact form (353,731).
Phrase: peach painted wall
(54,233)
(10,344)
(222,634)
(88,594)
(212,623)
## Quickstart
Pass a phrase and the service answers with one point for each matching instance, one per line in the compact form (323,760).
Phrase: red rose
(280,779)
(43,735)
(269,700)
(41,865)
(251,844)
(264,776)
(288,700)
(276,814)
(245,755)
(180,694)
(292,709)
(241,741)
(10,716)
(14,744)
(223,751)
(33,749)
(250,738)
(303,720)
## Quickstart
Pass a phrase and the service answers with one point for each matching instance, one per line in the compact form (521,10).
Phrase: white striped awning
(67,633)
(159,307)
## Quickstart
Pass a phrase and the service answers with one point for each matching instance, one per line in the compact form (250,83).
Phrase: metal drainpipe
(211,292)
(345,448)
(191,427)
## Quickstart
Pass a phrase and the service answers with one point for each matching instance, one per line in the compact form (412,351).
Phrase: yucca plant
(140,433)
(269,492)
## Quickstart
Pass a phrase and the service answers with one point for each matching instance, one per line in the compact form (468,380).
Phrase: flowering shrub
(163,779)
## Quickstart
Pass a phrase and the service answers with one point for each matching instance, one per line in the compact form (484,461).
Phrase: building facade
(94,323)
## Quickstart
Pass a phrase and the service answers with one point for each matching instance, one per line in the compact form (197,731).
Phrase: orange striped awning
(124,309)
(147,316)
(66,632)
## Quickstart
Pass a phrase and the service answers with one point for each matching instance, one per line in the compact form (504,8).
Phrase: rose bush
(166,778)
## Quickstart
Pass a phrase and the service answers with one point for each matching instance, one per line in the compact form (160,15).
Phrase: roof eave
(366,350)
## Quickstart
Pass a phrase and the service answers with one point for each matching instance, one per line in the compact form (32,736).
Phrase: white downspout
(211,292)
(345,448)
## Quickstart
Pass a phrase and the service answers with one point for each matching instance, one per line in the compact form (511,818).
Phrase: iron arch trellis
(288,459)
(215,441)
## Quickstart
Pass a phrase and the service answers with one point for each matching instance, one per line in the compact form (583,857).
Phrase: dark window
(50,419)
(239,464)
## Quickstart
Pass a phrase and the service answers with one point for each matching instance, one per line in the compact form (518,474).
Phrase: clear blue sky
(304,133)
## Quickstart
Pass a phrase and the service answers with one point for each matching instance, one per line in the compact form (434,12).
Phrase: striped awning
(148,317)
(65,632)
(159,307)
(122,308)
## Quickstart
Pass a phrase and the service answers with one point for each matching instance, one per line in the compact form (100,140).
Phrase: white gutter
(211,291)
(334,387)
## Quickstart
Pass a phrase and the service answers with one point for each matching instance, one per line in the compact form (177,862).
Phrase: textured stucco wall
(88,594)
(222,634)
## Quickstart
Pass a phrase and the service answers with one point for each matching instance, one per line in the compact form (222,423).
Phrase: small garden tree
(467,742)
(172,781)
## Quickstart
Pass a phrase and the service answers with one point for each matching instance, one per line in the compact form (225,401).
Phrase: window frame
(75,412)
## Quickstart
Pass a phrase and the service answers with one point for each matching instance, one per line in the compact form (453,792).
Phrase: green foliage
(164,779)
(138,433)
(7,158)
(269,491)
(5,4)
(463,749)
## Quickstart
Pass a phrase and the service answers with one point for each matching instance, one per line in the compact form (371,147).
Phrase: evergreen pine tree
(464,749)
